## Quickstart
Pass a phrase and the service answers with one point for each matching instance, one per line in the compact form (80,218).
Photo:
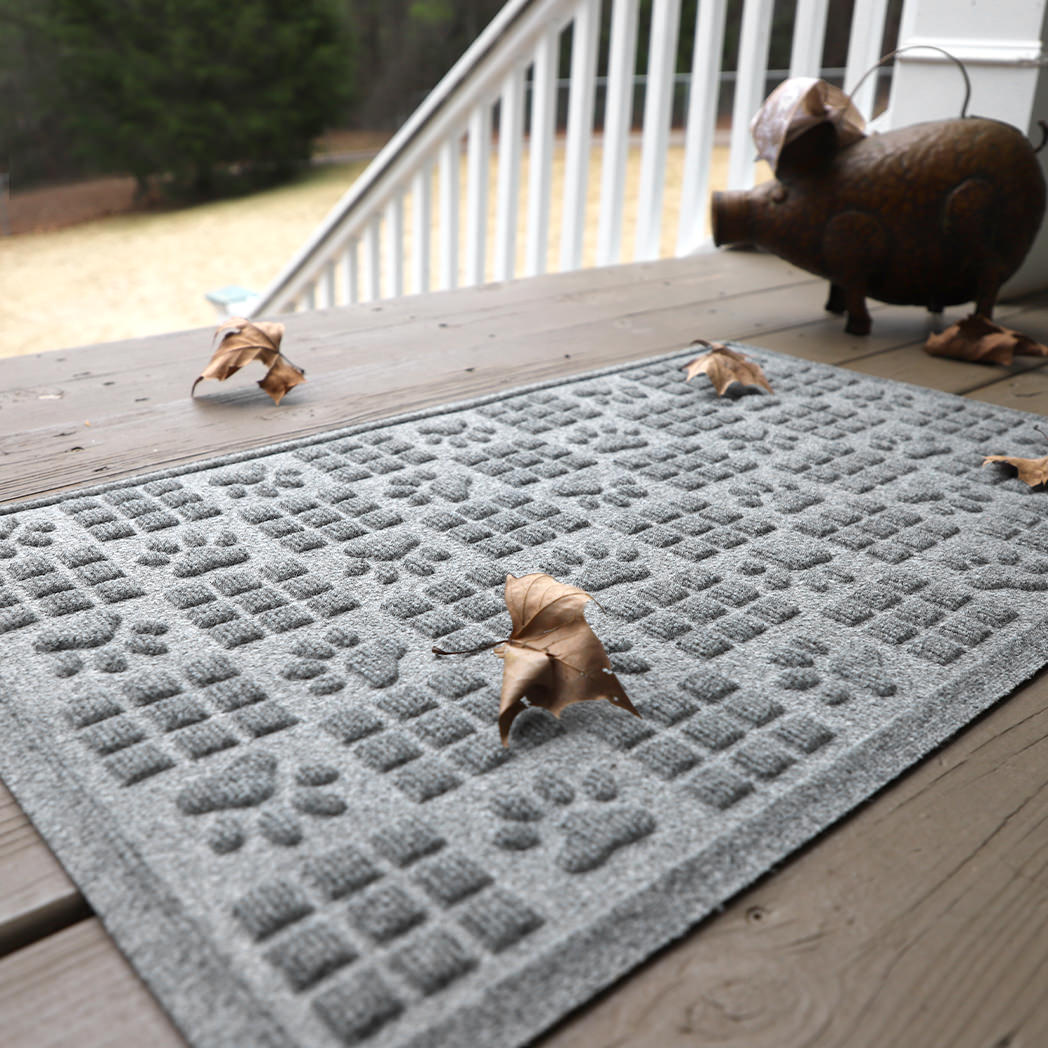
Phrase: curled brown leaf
(979,339)
(552,657)
(723,366)
(1033,472)
(795,107)
(240,342)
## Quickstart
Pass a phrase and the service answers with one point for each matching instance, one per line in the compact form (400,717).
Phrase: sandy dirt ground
(143,273)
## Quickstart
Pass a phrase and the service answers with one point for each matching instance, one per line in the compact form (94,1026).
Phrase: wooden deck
(920,920)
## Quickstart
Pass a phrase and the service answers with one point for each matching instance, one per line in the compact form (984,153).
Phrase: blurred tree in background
(32,140)
(206,94)
(404,47)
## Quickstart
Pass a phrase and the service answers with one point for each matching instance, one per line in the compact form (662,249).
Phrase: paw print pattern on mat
(314,661)
(589,835)
(250,781)
(237,598)
(110,644)
(33,533)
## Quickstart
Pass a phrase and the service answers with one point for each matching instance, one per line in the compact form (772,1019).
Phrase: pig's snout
(731,217)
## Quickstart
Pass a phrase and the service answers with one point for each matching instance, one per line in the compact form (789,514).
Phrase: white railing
(386,238)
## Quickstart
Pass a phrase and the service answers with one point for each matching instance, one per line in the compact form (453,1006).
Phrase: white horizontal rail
(365,248)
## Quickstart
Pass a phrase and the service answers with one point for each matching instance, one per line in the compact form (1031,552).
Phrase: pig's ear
(797,106)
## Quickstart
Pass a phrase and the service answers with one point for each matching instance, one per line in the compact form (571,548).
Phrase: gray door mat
(220,708)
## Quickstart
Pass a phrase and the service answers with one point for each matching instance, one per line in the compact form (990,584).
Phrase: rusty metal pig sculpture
(932,215)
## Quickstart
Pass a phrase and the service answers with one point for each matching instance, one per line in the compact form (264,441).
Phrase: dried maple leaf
(552,657)
(242,341)
(795,107)
(724,366)
(1031,471)
(979,339)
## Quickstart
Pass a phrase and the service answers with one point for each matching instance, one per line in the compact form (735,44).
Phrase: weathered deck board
(944,863)
(75,988)
(35,893)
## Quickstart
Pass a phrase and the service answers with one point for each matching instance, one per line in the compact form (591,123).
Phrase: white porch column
(1001,43)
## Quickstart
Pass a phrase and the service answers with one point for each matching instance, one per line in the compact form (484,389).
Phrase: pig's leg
(859,322)
(854,244)
(836,303)
(985,302)
(968,218)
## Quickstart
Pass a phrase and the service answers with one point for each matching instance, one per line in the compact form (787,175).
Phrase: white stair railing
(465,231)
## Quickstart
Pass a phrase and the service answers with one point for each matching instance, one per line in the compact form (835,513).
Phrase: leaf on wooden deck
(242,341)
(723,366)
(979,339)
(552,658)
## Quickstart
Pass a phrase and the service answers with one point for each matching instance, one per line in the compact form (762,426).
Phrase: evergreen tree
(198,91)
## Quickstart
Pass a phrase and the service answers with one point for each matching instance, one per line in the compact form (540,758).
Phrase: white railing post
(372,262)
(702,119)
(864,49)
(658,107)
(750,77)
(326,299)
(1003,47)
(350,274)
(449,212)
(420,220)
(580,129)
(809,35)
(618,108)
(540,152)
(478,152)
(395,245)
(511,130)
